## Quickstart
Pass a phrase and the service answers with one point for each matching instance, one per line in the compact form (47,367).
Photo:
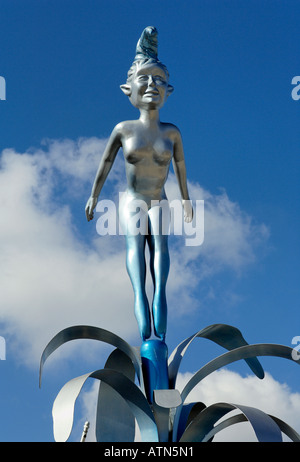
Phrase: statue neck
(150,116)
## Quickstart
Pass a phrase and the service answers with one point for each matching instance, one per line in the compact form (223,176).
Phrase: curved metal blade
(287,429)
(114,419)
(63,407)
(228,337)
(188,412)
(262,349)
(265,428)
(248,351)
(93,333)
(284,427)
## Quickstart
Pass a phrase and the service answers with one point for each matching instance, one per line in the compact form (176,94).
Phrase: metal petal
(224,335)
(188,412)
(265,428)
(94,333)
(63,407)
(224,424)
(248,351)
(284,427)
(164,404)
(115,421)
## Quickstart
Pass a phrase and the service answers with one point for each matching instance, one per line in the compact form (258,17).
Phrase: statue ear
(126,89)
(170,90)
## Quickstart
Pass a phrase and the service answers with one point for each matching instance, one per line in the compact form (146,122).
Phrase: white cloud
(232,241)
(230,235)
(52,277)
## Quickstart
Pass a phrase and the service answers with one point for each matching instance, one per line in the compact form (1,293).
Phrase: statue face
(148,88)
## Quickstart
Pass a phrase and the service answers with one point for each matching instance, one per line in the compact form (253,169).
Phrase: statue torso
(148,153)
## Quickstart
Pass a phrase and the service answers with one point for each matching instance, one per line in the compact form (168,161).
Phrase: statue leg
(136,268)
(160,264)
(135,226)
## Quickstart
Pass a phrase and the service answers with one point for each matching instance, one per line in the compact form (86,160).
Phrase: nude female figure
(148,145)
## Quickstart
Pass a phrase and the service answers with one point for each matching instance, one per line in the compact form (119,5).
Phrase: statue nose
(151,82)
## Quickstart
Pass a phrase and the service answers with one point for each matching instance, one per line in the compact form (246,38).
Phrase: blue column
(154,356)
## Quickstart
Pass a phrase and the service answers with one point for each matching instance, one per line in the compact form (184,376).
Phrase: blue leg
(136,267)
(154,355)
(160,264)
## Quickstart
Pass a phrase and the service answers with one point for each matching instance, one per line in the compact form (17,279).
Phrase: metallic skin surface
(147,44)
(149,146)
(154,357)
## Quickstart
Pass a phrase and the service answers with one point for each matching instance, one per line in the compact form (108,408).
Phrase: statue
(148,145)
(160,410)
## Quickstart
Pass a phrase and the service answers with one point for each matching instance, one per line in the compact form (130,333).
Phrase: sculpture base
(154,356)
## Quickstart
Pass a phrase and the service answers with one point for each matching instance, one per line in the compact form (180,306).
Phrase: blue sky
(231,64)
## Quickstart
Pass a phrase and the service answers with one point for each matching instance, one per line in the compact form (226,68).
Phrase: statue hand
(90,205)
(188,210)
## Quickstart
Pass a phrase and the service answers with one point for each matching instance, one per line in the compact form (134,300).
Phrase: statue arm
(107,160)
(180,172)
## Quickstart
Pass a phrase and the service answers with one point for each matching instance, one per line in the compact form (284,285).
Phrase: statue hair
(140,62)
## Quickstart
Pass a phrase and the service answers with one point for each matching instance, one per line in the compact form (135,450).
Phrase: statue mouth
(151,93)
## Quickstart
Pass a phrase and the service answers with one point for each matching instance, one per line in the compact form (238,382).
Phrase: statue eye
(143,78)
(159,79)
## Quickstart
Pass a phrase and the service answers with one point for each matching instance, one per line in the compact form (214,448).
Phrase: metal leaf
(228,337)
(224,424)
(63,407)
(93,333)
(265,428)
(261,349)
(248,351)
(284,427)
(164,404)
(187,414)
(115,421)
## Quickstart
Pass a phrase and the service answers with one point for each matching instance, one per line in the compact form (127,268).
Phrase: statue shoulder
(122,127)
(173,131)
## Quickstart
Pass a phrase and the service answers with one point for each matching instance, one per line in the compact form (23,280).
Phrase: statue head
(147,82)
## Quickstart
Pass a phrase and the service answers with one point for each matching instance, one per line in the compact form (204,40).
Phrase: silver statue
(161,412)
(148,145)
